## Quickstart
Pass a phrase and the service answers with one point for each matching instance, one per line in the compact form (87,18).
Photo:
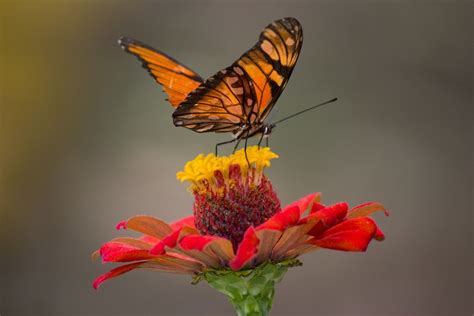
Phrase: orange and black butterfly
(236,99)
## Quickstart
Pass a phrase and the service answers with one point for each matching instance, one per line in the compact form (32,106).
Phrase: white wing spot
(249,101)
(188,116)
(205,128)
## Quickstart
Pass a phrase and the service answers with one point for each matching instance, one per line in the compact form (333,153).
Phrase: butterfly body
(236,99)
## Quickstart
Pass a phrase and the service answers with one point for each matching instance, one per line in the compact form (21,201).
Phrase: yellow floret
(203,167)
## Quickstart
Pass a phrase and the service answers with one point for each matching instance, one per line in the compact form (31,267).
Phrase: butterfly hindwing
(244,93)
(176,79)
(221,104)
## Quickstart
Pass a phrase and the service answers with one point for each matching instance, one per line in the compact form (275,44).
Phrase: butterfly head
(267,129)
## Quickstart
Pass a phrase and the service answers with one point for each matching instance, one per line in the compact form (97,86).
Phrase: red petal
(124,249)
(306,201)
(212,250)
(268,239)
(115,273)
(289,216)
(196,242)
(291,238)
(115,252)
(379,235)
(247,250)
(147,225)
(316,207)
(187,221)
(366,209)
(163,263)
(138,243)
(327,217)
(121,225)
(211,245)
(149,239)
(170,240)
(350,235)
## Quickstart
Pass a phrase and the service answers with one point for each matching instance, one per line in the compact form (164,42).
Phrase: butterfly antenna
(301,112)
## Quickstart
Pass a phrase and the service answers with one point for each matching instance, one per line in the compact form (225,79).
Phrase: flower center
(231,194)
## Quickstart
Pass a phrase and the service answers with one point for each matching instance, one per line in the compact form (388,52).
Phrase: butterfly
(236,99)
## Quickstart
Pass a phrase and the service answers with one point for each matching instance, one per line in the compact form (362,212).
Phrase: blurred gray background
(87,140)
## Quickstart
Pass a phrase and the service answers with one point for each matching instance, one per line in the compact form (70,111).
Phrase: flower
(239,232)
(238,223)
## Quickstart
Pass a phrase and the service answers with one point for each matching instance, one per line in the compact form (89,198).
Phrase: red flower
(238,224)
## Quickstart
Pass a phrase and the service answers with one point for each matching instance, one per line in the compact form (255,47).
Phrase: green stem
(250,291)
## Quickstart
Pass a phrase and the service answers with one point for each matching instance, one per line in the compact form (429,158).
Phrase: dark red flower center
(229,213)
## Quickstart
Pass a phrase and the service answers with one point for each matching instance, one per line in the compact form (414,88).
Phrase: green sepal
(251,290)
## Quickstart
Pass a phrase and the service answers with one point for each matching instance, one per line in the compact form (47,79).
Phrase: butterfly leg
(236,145)
(223,143)
(260,141)
(245,150)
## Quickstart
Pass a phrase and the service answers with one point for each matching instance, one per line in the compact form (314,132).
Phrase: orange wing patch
(176,79)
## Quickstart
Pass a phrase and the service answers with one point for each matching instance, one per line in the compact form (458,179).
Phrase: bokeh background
(87,140)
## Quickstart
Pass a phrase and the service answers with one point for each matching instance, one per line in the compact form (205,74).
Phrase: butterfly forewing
(271,61)
(176,79)
(244,93)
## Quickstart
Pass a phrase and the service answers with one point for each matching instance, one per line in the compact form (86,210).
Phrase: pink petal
(247,250)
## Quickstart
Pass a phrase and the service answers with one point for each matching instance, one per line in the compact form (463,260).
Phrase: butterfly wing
(271,61)
(244,93)
(176,79)
(217,105)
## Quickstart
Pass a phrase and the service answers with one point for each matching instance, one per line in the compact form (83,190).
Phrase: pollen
(212,173)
